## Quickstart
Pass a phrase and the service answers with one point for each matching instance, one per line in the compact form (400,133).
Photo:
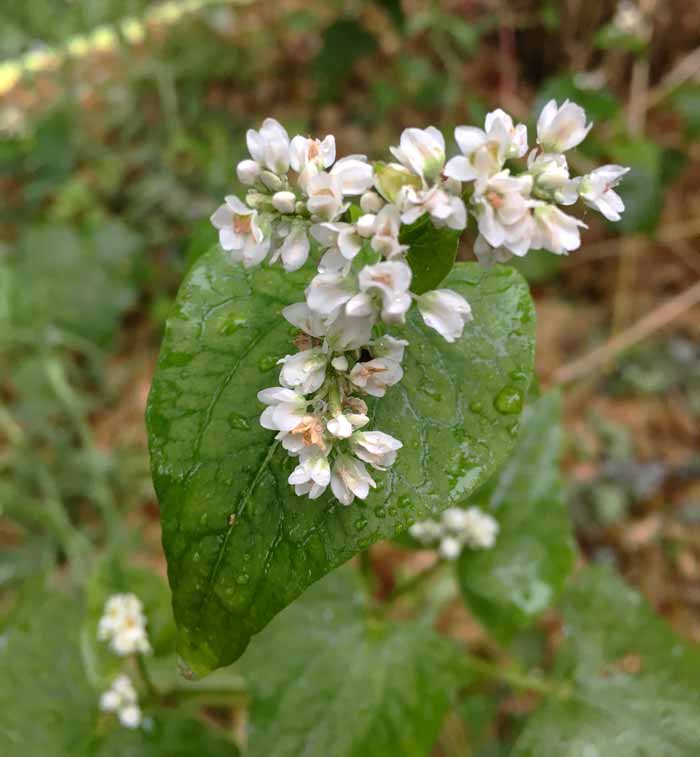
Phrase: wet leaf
(512,583)
(431,254)
(46,704)
(328,680)
(240,545)
(633,683)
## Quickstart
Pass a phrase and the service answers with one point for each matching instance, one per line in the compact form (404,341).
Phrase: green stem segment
(517,679)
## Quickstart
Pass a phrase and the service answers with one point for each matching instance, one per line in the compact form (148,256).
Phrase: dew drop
(195,557)
(360,524)
(237,421)
(509,400)
(242,579)
(267,362)
(380,512)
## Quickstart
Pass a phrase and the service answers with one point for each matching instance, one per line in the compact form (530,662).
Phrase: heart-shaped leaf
(327,679)
(240,544)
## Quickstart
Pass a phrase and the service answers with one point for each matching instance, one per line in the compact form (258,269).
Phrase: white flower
(551,181)
(305,371)
(561,128)
(376,375)
(390,280)
(350,479)
(328,291)
(294,250)
(502,205)
(130,716)
(499,126)
(307,433)
(450,548)
(325,202)
(340,426)
(385,232)
(485,151)
(445,311)
(122,699)
(341,241)
(478,529)
(312,475)
(375,447)
(340,363)
(284,202)
(305,151)
(240,232)
(300,315)
(421,150)
(269,147)
(444,209)
(286,408)
(597,190)
(555,230)
(123,624)
(347,332)
(427,532)
(389,347)
(354,174)
(248,172)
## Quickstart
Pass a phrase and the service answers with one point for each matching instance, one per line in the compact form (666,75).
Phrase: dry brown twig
(643,328)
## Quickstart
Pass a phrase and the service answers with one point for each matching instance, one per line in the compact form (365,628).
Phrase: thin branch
(651,323)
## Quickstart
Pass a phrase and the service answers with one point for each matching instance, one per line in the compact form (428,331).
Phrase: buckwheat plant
(349,214)
(330,349)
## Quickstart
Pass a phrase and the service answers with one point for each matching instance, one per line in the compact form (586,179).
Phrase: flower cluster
(456,529)
(122,699)
(348,214)
(123,624)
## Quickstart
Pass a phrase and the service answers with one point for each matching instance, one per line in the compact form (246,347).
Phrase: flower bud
(371,202)
(284,202)
(390,178)
(248,172)
(271,180)
(365,225)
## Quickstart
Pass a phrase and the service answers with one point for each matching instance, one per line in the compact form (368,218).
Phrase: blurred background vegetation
(121,122)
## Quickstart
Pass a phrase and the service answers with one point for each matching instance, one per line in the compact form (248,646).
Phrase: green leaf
(634,683)
(431,254)
(168,734)
(240,544)
(509,585)
(46,704)
(81,283)
(326,679)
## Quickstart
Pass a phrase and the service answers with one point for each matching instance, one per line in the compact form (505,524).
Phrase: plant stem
(518,679)
(232,697)
(146,677)
(414,582)
(366,570)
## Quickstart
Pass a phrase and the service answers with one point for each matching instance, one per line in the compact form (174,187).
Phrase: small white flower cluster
(353,211)
(456,529)
(122,699)
(629,19)
(123,624)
